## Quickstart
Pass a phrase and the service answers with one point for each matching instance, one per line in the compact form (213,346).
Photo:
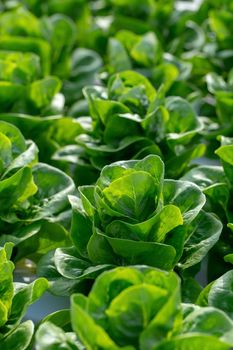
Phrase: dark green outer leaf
(186,196)
(146,253)
(205,233)
(221,293)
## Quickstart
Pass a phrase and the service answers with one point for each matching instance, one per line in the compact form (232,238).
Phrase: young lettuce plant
(135,216)
(137,308)
(130,120)
(142,51)
(216,183)
(51,38)
(144,54)
(32,49)
(21,87)
(49,134)
(15,298)
(33,197)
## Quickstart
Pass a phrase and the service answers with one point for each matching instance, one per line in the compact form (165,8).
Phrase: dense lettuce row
(116,173)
